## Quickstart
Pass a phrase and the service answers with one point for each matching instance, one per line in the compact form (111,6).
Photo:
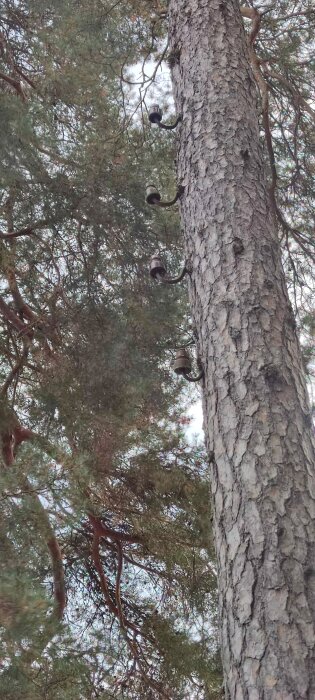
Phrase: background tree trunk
(256,417)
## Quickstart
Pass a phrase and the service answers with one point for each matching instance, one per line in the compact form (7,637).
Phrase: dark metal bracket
(158,271)
(182,366)
(153,197)
(155,117)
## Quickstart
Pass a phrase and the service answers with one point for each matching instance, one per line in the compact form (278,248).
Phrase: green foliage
(99,486)
(284,46)
(104,501)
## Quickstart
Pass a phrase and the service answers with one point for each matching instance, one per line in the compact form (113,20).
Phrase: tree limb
(15,84)
(26,231)
(295,94)
(11,316)
(55,553)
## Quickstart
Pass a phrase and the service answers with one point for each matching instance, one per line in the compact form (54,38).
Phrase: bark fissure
(256,414)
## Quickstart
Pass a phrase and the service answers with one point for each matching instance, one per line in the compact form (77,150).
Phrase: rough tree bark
(257,422)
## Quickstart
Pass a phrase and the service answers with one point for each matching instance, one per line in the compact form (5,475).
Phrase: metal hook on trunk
(158,271)
(153,196)
(155,117)
(182,366)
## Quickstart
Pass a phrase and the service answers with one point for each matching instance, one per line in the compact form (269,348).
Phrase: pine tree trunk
(257,422)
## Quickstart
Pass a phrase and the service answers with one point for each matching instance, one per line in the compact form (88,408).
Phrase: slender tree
(257,420)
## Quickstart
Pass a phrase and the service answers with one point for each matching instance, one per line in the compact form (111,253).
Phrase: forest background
(108,574)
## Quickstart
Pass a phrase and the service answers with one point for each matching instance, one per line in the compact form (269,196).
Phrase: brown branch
(24,330)
(102,578)
(124,623)
(20,304)
(104,531)
(9,269)
(118,580)
(262,83)
(26,231)
(295,94)
(54,156)
(295,234)
(15,371)
(15,68)
(254,15)
(15,84)
(7,448)
(58,573)
(284,18)
(25,77)
(148,569)
(12,434)
(11,316)
(13,437)
(55,553)
(25,310)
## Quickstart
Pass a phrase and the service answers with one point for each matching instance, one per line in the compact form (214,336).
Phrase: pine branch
(15,371)
(262,83)
(15,84)
(55,552)
(15,321)
(25,231)
(294,92)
